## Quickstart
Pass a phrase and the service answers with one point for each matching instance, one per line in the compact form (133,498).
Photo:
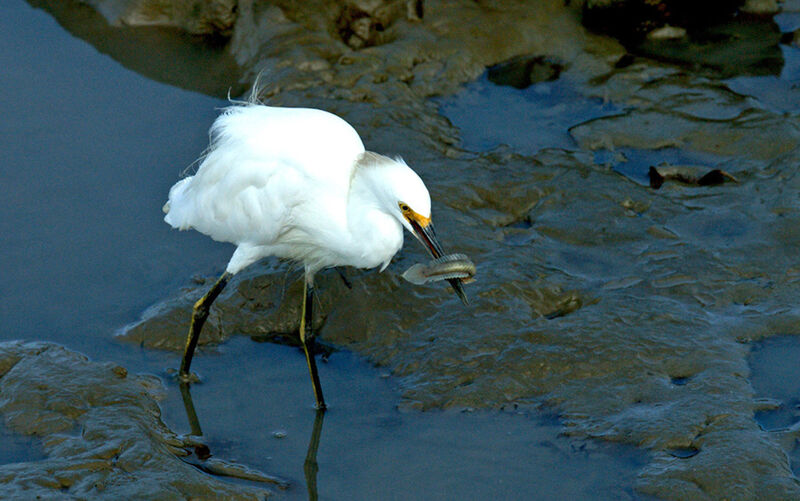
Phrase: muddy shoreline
(628,311)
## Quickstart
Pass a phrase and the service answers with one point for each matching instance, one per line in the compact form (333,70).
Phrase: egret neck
(373,225)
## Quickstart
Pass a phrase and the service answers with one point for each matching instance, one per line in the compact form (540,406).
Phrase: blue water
(775,376)
(90,150)
(774,93)
(18,448)
(527,120)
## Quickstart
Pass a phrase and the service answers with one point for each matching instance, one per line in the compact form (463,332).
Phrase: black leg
(307,338)
(199,315)
(347,282)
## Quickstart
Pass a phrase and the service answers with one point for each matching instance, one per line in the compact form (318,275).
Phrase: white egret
(296,183)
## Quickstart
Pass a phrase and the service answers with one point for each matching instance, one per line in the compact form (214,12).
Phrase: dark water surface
(775,377)
(18,448)
(527,120)
(90,150)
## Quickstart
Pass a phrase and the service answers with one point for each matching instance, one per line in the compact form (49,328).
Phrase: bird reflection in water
(310,467)
(203,459)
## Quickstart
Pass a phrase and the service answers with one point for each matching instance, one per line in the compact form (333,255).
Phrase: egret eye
(404,207)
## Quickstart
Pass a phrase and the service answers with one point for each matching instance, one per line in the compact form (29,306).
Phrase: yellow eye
(404,207)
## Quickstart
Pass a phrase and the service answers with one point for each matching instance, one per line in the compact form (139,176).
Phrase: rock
(363,23)
(357,28)
(791,38)
(761,7)
(741,46)
(700,35)
(667,32)
(687,175)
(199,17)
(523,71)
(631,20)
(265,306)
(654,130)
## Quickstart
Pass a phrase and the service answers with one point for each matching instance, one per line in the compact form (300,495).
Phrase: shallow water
(612,346)
(370,449)
(91,149)
(775,378)
(18,448)
(527,120)
(86,168)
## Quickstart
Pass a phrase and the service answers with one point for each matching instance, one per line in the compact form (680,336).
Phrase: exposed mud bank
(100,430)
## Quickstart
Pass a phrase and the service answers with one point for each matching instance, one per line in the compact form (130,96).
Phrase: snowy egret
(296,183)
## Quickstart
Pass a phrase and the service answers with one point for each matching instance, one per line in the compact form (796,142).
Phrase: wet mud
(628,311)
(99,430)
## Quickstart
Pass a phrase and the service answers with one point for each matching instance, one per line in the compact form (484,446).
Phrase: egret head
(421,227)
(400,192)
(397,189)
(414,205)
(410,203)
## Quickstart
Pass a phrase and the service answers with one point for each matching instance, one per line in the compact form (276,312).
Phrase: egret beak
(427,237)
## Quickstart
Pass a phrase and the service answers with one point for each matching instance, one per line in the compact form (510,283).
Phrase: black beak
(427,236)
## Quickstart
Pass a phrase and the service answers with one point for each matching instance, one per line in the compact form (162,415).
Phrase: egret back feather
(296,183)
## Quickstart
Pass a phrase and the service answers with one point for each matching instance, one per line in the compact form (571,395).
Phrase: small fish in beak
(426,234)
(450,266)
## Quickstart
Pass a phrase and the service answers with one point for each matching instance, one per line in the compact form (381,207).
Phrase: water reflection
(203,459)
(199,64)
(310,467)
(742,46)
(489,115)
(201,450)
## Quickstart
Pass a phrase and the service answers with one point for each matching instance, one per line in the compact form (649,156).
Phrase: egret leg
(307,338)
(199,316)
(343,276)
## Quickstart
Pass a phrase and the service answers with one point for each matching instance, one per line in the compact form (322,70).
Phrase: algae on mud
(626,310)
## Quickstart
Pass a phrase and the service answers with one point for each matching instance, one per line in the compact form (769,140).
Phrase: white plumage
(296,183)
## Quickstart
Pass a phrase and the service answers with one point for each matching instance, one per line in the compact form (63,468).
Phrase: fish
(450,266)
